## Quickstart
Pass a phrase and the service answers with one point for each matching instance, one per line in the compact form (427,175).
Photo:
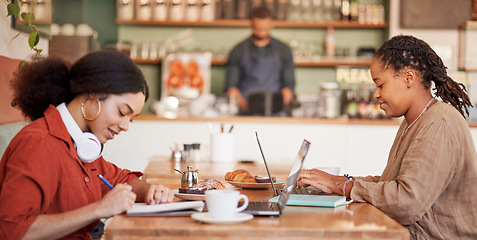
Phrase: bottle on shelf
(362,13)
(192,10)
(294,11)
(345,10)
(327,10)
(125,9)
(330,43)
(362,103)
(281,10)
(336,10)
(207,10)
(160,9)
(352,104)
(307,11)
(317,10)
(218,9)
(143,10)
(228,9)
(176,10)
(353,10)
(243,9)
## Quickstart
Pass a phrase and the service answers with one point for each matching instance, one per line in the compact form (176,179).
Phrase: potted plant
(27,17)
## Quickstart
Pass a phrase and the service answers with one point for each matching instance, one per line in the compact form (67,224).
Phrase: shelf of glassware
(246,23)
(321,62)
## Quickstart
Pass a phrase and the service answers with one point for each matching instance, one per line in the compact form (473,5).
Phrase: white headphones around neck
(88,146)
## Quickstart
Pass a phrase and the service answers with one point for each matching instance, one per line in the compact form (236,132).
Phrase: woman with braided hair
(429,184)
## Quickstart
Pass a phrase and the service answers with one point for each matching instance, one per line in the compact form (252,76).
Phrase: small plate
(278,183)
(205,217)
(187,196)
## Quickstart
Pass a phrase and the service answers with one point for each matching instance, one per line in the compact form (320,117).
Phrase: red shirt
(40,173)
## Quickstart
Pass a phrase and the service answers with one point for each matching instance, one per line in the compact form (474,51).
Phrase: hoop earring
(84,114)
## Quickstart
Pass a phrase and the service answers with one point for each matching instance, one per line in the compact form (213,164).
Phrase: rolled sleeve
(425,172)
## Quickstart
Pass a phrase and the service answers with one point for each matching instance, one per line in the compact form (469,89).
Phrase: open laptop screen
(292,177)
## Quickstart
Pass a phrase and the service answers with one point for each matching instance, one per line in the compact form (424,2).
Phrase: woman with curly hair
(49,174)
(429,184)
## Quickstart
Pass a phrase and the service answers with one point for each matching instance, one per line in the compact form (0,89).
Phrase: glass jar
(329,103)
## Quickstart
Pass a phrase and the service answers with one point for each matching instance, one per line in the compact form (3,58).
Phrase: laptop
(276,208)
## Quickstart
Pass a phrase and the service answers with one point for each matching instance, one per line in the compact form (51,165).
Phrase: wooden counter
(355,221)
(285,120)
(291,120)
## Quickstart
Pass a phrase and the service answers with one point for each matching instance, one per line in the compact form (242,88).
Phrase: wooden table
(355,221)
(161,167)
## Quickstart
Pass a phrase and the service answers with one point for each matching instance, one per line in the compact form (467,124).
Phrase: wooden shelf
(246,23)
(36,22)
(325,62)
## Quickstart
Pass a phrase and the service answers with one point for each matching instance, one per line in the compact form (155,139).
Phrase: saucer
(186,196)
(205,217)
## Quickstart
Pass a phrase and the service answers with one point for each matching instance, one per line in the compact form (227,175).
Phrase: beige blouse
(429,184)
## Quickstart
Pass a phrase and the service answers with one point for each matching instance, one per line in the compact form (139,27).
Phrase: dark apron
(260,73)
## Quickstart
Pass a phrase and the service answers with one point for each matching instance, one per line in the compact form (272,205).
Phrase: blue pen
(105,181)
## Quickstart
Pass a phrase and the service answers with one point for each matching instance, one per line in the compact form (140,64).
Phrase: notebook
(276,208)
(314,200)
(172,209)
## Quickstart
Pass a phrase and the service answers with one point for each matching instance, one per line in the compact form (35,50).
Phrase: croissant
(233,174)
(244,177)
(227,176)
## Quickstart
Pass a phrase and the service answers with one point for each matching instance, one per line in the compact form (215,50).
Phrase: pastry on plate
(202,186)
(242,175)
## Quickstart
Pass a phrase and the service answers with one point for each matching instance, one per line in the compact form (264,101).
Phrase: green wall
(101,15)
(218,39)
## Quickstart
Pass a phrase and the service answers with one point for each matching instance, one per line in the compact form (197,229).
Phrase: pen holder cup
(222,147)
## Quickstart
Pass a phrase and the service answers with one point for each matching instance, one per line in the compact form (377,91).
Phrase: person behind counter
(429,184)
(260,63)
(49,184)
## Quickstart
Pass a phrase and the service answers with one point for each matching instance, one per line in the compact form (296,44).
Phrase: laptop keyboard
(261,206)
(307,191)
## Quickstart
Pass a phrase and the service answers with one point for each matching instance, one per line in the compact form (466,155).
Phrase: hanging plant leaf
(22,63)
(38,51)
(13,10)
(33,39)
(28,18)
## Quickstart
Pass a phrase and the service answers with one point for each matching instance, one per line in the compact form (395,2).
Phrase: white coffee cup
(55,29)
(68,29)
(223,204)
(84,30)
(222,147)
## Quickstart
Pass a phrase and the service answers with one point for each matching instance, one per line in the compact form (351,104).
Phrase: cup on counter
(85,30)
(68,29)
(223,204)
(222,147)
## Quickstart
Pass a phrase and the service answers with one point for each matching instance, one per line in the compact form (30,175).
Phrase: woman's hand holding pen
(118,200)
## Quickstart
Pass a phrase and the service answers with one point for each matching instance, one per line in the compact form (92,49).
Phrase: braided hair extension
(407,51)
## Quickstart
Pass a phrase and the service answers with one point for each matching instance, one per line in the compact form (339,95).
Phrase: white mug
(68,29)
(55,29)
(85,30)
(222,147)
(223,204)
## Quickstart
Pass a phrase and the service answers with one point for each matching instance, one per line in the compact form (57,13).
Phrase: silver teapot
(189,178)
